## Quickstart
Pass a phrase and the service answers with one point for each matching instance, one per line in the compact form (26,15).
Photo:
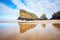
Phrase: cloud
(35,6)
(8,13)
(9,3)
(43,6)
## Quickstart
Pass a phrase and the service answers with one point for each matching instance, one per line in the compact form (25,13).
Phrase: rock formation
(43,17)
(26,15)
(56,15)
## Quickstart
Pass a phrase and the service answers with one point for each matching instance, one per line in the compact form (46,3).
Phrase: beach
(30,30)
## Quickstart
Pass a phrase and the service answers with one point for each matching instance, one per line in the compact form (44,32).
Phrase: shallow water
(29,31)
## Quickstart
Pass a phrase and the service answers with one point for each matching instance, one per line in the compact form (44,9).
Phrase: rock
(26,15)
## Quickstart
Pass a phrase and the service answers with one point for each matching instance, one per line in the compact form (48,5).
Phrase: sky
(9,9)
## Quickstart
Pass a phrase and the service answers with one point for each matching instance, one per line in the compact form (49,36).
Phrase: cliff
(24,14)
(56,15)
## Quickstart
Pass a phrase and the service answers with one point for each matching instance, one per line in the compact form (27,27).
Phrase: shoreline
(34,21)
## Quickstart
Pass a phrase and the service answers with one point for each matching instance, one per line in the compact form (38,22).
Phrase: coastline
(34,21)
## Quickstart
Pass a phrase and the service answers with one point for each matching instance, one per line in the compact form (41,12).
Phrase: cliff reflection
(57,25)
(43,25)
(26,26)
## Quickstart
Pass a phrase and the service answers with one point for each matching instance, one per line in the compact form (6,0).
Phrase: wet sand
(29,30)
(34,21)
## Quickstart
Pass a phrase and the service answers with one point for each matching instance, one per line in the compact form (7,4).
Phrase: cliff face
(56,15)
(43,17)
(25,14)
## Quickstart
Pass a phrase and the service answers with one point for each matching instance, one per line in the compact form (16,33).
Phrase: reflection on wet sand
(57,25)
(43,25)
(24,27)
(29,31)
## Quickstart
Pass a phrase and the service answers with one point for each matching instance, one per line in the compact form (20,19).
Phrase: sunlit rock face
(25,27)
(25,14)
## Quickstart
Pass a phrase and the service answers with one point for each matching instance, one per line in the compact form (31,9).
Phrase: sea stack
(26,15)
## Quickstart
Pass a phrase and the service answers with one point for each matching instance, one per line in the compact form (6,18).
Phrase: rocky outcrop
(43,17)
(26,15)
(56,15)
